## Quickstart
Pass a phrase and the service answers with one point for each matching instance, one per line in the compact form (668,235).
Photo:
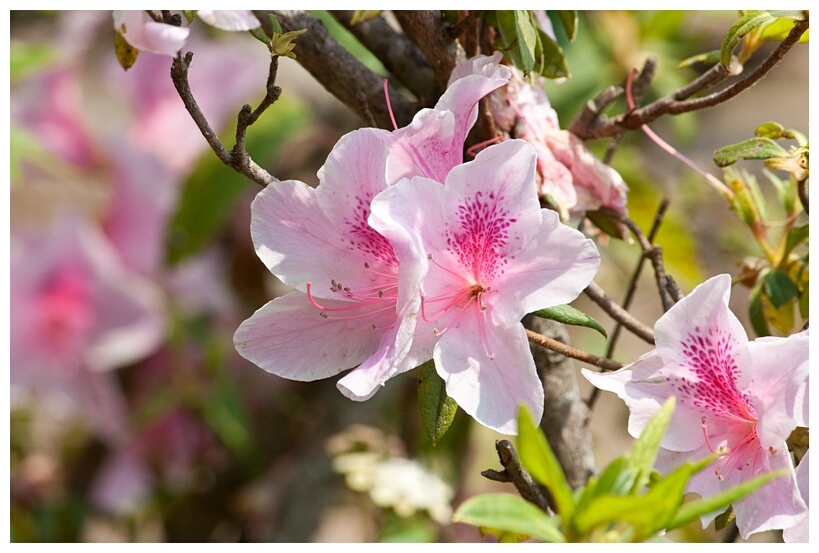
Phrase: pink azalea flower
(489,255)
(75,313)
(347,308)
(733,395)
(434,142)
(575,179)
(800,532)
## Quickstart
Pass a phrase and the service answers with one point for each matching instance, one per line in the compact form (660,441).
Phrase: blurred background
(132,416)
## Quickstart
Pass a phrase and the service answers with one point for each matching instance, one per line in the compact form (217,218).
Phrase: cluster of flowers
(405,253)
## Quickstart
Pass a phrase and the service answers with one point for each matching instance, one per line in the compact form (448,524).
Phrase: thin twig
(590,125)
(513,472)
(241,162)
(568,351)
(655,254)
(619,314)
(632,289)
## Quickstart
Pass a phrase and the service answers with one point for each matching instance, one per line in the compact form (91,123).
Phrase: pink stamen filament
(454,297)
(457,316)
(367,314)
(471,151)
(721,187)
(450,271)
(355,306)
(389,106)
(482,329)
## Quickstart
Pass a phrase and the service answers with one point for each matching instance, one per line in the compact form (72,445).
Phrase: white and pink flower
(740,397)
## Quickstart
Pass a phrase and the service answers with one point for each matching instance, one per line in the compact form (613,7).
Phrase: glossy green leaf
(537,457)
(644,451)
(568,18)
(567,314)
(553,63)
(779,29)
(772,130)
(741,27)
(437,409)
(526,39)
(509,513)
(796,236)
(614,480)
(756,313)
(695,509)
(779,287)
(753,148)
(189,15)
(211,191)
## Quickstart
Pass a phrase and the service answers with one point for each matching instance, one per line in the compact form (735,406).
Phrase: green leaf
(796,236)
(615,479)
(552,61)
(211,191)
(568,18)
(540,461)
(644,451)
(706,58)
(258,34)
(779,287)
(741,27)
(189,15)
(509,513)
(526,38)
(694,509)
(785,190)
(437,409)
(778,29)
(275,27)
(753,148)
(608,224)
(756,312)
(724,519)
(772,130)
(567,314)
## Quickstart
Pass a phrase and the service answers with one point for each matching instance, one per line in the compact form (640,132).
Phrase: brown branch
(513,472)
(433,35)
(401,57)
(598,295)
(655,254)
(240,162)
(590,125)
(568,351)
(339,71)
(566,417)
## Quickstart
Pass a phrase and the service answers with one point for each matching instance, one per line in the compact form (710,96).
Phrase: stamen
(389,106)
(354,306)
(705,433)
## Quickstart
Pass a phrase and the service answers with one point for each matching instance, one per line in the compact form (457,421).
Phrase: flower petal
(229,20)
(644,387)
(298,243)
(489,390)
(149,36)
(553,269)
(800,532)
(288,337)
(424,148)
(778,394)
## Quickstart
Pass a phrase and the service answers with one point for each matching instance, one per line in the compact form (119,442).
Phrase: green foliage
(526,46)
(503,513)
(757,27)
(437,409)
(212,189)
(753,148)
(627,502)
(568,315)
(28,57)
(279,43)
(350,42)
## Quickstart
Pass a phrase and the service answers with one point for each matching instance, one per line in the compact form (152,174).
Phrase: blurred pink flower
(76,312)
(229,20)
(488,255)
(347,309)
(575,179)
(433,142)
(734,395)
